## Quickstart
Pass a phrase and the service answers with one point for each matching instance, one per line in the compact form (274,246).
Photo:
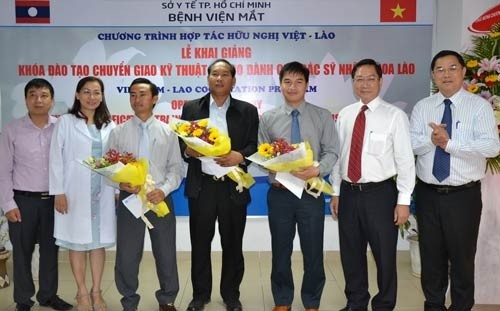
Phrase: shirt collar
(371,105)
(138,121)
(224,106)
(28,122)
(301,108)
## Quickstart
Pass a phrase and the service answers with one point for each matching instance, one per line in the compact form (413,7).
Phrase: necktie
(295,138)
(358,134)
(441,165)
(144,142)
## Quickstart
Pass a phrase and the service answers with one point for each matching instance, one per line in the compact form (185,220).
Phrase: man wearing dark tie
(295,121)
(373,181)
(453,132)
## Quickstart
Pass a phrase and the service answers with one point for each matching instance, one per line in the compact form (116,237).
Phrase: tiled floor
(255,290)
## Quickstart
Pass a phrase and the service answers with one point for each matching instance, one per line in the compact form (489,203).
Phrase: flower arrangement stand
(4,277)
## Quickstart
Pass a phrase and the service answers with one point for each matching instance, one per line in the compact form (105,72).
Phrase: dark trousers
(37,226)
(214,204)
(367,217)
(129,250)
(286,213)
(448,226)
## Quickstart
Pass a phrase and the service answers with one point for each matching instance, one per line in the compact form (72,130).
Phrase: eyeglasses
(370,80)
(88,93)
(441,70)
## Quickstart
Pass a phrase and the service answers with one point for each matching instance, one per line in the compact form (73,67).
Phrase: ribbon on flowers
(242,178)
(317,185)
(136,174)
(201,136)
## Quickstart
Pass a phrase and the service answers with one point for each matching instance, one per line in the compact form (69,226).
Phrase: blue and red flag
(32,12)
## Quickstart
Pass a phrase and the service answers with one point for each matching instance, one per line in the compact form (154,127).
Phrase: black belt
(32,194)
(449,189)
(215,178)
(364,186)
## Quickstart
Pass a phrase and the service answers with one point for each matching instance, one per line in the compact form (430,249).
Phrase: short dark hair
(102,115)
(367,62)
(294,67)
(232,69)
(38,83)
(152,86)
(444,53)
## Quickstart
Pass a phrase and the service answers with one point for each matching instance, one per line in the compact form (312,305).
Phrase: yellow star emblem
(398,11)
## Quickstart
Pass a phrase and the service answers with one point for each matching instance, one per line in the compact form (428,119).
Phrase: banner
(172,42)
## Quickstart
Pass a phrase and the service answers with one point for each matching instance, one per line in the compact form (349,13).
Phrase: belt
(278,185)
(215,178)
(450,189)
(39,195)
(364,186)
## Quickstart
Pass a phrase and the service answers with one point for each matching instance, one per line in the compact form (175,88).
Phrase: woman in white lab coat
(85,219)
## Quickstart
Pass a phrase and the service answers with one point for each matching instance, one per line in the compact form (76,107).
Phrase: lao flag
(33,12)
(394,11)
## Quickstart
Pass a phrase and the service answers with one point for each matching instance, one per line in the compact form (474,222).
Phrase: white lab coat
(71,143)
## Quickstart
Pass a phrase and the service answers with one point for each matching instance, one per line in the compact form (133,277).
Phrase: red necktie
(358,133)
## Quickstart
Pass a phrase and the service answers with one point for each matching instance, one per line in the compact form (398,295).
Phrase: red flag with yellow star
(398,10)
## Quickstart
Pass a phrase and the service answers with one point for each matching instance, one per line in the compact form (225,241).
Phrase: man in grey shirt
(287,211)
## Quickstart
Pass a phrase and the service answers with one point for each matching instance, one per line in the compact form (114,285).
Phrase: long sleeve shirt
(474,137)
(316,127)
(386,149)
(165,161)
(24,150)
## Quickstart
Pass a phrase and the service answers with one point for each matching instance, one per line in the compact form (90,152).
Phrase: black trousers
(366,216)
(214,204)
(37,226)
(448,226)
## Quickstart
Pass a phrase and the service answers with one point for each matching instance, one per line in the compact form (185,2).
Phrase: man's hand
(192,153)
(439,136)
(14,215)
(127,187)
(401,214)
(61,203)
(334,207)
(306,173)
(155,196)
(233,158)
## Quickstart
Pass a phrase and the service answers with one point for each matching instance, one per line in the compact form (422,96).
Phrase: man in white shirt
(373,181)
(146,136)
(452,133)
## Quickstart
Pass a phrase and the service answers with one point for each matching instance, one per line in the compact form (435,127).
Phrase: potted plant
(4,253)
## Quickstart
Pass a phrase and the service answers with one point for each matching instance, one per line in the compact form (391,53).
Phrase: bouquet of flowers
(207,140)
(280,156)
(125,168)
(201,136)
(483,75)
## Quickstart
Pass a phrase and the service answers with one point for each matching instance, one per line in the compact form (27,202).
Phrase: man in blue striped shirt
(453,132)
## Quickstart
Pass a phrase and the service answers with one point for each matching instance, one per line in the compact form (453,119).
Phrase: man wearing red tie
(373,181)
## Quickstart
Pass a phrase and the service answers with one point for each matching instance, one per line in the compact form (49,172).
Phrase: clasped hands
(439,136)
(232,158)
(155,196)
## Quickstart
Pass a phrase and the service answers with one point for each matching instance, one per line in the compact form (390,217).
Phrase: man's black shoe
(347,308)
(57,303)
(23,307)
(234,306)
(197,305)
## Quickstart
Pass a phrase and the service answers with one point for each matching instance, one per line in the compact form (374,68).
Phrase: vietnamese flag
(33,12)
(398,11)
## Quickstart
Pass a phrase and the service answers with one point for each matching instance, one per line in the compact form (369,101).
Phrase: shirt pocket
(377,143)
